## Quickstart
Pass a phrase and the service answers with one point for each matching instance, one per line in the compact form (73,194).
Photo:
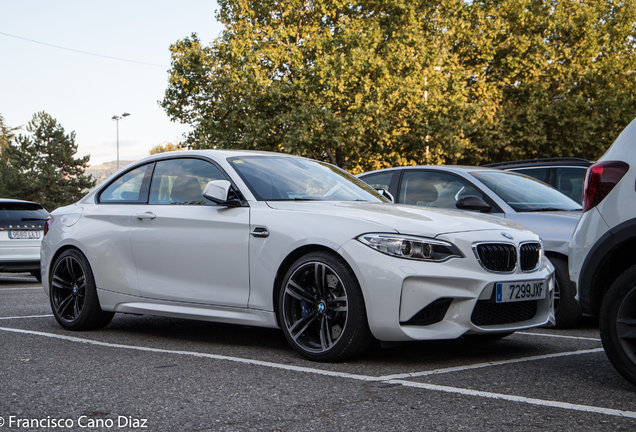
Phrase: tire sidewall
(83,321)
(354,297)
(569,312)
(608,319)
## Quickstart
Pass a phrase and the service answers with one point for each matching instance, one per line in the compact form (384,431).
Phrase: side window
(434,189)
(540,174)
(181,181)
(569,181)
(379,180)
(129,188)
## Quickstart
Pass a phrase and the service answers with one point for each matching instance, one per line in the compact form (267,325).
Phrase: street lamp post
(117,118)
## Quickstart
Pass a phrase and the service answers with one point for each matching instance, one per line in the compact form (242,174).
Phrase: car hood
(554,227)
(404,219)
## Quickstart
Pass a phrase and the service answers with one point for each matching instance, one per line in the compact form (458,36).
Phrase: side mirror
(471,202)
(217,191)
(386,194)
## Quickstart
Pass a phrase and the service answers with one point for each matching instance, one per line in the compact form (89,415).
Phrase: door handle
(145,215)
(261,232)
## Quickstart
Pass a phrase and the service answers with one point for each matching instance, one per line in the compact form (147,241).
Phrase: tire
(73,294)
(36,274)
(321,309)
(567,310)
(618,324)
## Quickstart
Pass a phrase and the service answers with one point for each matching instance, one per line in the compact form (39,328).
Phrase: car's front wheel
(567,310)
(618,324)
(73,294)
(321,309)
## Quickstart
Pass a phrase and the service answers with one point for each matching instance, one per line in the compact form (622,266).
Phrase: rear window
(22,215)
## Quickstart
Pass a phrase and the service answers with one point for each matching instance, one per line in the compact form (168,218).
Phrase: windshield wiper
(32,219)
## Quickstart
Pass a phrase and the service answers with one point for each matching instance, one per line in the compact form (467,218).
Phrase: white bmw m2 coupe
(274,240)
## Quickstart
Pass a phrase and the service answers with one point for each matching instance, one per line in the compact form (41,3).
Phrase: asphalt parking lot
(162,374)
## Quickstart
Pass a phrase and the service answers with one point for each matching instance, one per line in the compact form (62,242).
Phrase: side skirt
(124,303)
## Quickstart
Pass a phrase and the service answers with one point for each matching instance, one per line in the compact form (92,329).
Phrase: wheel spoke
(300,293)
(307,321)
(626,328)
(76,308)
(321,283)
(325,333)
(69,267)
(341,307)
(61,283)
(62,307)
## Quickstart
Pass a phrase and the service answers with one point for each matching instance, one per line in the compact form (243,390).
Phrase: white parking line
(487,364)
(557,336)
(25,316)
(532,401)
(18,289)
(445,389)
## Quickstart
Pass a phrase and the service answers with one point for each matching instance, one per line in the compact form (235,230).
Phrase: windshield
(280,178)
(525,194)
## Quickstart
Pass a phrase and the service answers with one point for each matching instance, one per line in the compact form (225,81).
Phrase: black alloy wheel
(73,294)
(618,324)
(321,309)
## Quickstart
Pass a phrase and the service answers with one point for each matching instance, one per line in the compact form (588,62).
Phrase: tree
(162,148)
(340,81)
(40,166)
(368,84)
(6,134)
(562,73)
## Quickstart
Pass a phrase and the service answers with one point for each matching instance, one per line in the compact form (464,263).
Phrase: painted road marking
(445,389)
(488,364)
(558,336)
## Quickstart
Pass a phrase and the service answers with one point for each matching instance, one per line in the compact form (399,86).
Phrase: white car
(273,240)
(21,226)
(602,259)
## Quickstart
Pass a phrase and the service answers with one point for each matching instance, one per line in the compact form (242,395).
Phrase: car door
(185,247)
(108,244)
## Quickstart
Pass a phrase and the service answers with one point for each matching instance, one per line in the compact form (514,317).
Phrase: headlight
(408,247)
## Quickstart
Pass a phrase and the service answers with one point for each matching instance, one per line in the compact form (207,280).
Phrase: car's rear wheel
(321,309)
(567,310)
(618,324)
(73,294)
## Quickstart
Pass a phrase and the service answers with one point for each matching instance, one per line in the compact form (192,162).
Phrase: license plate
(521,291)
(24,234)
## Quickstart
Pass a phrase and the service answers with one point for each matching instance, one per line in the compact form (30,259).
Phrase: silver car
(505,194)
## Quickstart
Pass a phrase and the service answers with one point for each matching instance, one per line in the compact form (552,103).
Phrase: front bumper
(396,290)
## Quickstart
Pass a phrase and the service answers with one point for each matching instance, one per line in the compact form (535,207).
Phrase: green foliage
(40,166)
(167,147)
(369,84)
(6,134)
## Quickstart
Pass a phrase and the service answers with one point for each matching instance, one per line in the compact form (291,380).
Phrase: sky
(82,91)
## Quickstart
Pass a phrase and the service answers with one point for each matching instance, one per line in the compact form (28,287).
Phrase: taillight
(600,180)
(47,224)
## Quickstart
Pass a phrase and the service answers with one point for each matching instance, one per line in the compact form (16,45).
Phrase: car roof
(10,200)
(217,152)
(567,161)
(456,168)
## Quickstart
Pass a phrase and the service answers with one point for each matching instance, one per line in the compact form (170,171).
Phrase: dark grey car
(505,194)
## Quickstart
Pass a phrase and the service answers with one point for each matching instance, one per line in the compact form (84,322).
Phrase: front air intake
(497,257)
